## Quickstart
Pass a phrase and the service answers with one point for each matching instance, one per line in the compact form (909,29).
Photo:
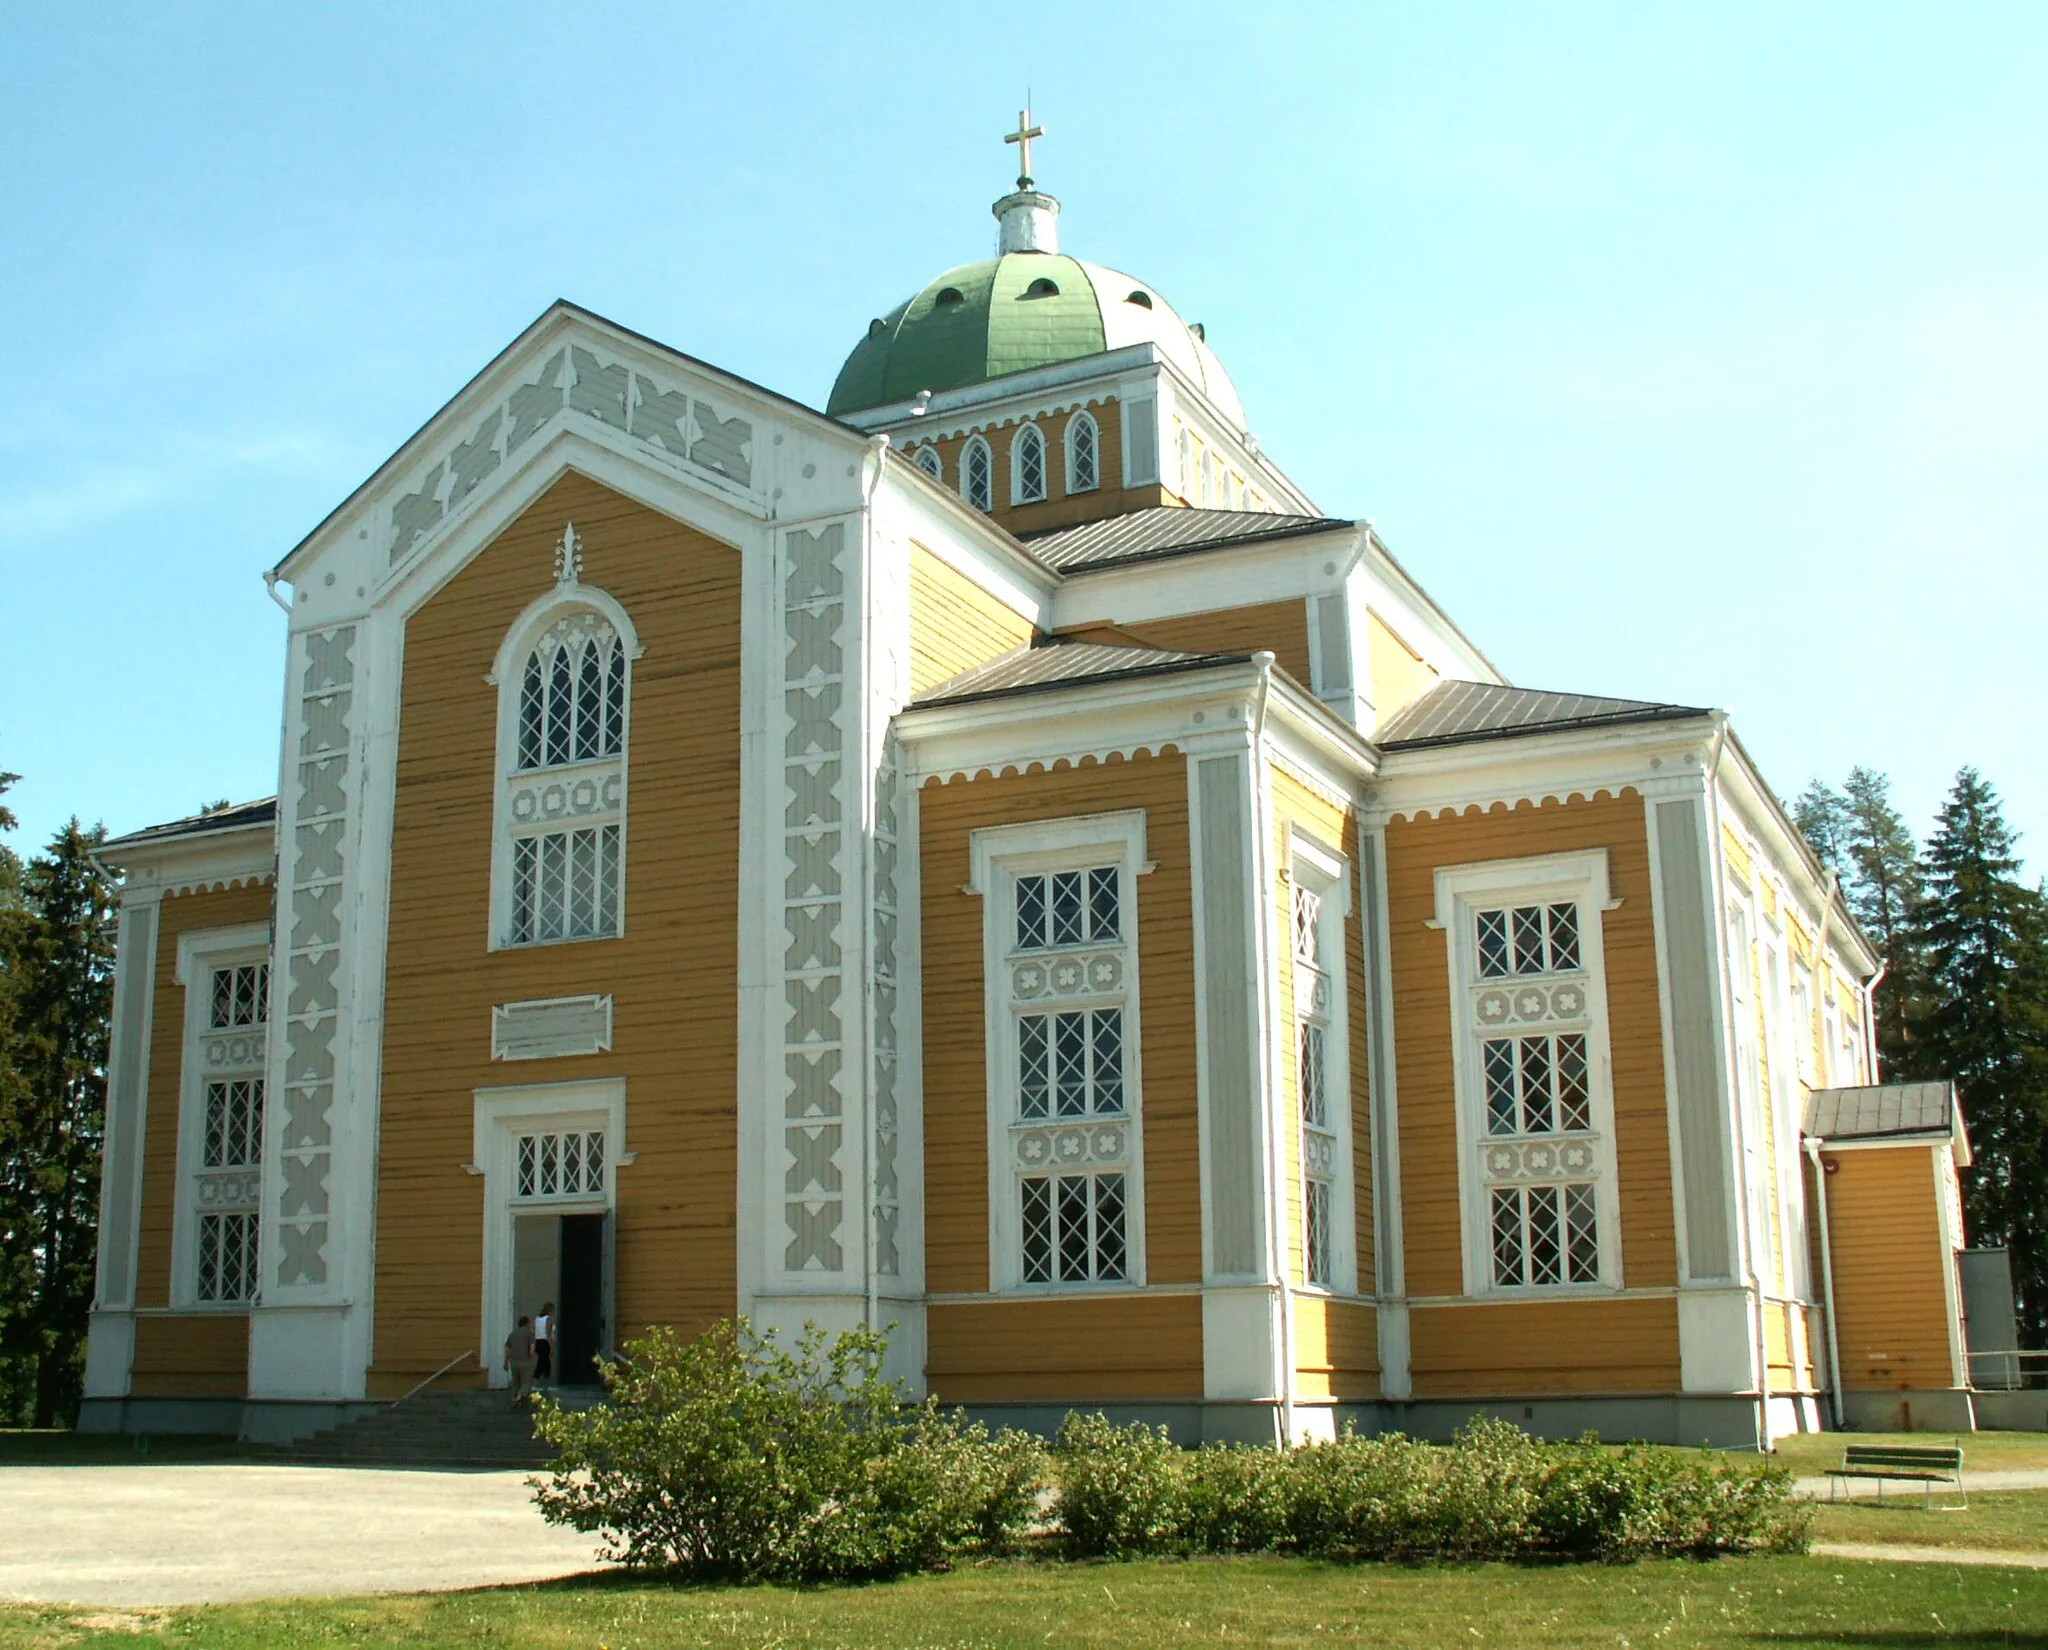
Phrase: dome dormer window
(1042,288)
(949,295)
(1142,299)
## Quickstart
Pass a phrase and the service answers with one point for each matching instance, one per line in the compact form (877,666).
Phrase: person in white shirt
(544,1343)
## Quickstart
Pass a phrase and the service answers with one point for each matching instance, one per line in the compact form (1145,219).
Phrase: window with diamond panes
(977,475)
(565,885)
(1539,1151)
(1312,1082)
(227,1258)
(1071,1064)
(1028,455)
(234,1124)
(1074,1229)
(572,696)
(240,996)
(1068,908)
(1084,443)
(561,1165)
(927,459)
(1545,1235)
(1529,939)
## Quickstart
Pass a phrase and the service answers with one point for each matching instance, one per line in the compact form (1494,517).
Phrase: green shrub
(1236,1499)
(1362,1498)
(727,1457)
(1635,1503)
(1122,1490)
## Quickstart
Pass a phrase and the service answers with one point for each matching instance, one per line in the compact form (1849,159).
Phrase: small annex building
(994,859)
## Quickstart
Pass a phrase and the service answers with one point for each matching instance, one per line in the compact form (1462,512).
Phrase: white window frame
(927,458)
(967,451)
(200,953)
(520,793)
(1544,879)
(1323,873)
(1080,419)
(1001,854)
(1029,430)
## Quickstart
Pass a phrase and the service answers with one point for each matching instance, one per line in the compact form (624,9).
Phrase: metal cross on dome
(1022,137)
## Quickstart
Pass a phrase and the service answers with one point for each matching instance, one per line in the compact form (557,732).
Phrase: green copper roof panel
(1026,331)
(859,383)
(940,345)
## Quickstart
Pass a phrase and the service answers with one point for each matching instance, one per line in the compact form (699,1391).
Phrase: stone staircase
(470,1428)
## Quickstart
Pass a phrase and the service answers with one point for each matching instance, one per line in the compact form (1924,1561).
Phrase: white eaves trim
(231,858)
(1207,581)
(1414,613)
(1652,757)
(912,504)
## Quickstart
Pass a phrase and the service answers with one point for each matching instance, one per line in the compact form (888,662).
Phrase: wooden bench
(1925,1465)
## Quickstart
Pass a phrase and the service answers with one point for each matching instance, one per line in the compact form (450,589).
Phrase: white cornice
(1652,758)
(1247,575)
(235,858)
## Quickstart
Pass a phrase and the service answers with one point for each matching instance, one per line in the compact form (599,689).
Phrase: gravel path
(205,1534)
(1881,1554)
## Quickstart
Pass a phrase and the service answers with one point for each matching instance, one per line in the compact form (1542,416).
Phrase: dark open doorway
(579,1304)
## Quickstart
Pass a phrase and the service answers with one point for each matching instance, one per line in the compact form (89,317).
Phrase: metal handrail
(2009,1361)
(421,1386)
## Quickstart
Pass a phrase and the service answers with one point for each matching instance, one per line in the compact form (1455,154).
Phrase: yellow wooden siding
(1336,1349)
(1398,674)
(178,914)
(954,623)
(1059,508)
(1065,1351)
(671,972)
(1890,1262)
(1554,1346)
(1523,1351)
(1278,628)
(955,1075)
(200,1355)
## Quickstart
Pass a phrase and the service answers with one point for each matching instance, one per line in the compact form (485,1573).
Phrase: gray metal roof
(1885,1109)
(1057,664)
(238,817)
(1454,713)
(1166,530)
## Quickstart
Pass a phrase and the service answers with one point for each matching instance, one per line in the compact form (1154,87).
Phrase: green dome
(1011,314)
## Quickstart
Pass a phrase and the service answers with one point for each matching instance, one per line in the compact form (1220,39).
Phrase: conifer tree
(1885,891)
(1822,814)
(1985,1024)
(56,978)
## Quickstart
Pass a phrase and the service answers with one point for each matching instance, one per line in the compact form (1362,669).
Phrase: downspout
(1760,1365)
(1870,1019)
(1277,1233)
(1827,1280)
(270,584)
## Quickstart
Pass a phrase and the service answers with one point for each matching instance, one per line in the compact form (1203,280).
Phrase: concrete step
(472,1428)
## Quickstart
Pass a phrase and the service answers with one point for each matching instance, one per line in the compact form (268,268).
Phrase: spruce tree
(57,954)
(1885,891)
(1985,1025)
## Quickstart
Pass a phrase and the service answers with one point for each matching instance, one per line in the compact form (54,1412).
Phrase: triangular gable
(570,368)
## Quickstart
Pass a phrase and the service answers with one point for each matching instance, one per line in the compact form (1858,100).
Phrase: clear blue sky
(1690,352)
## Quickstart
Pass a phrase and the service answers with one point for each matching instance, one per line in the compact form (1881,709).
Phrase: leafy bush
(729,1457)
(1237,1499)
(1122,1490)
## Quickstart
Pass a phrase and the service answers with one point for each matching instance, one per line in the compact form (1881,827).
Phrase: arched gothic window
(565,696)
(1027,466)
(1084,441)
(927,459)
(977,474)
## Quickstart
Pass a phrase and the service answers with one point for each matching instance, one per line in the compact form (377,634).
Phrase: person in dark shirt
(519,1359)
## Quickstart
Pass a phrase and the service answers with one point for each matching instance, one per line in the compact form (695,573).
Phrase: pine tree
(1885,891)
(57,956)
(1822,814)
(1985,1025)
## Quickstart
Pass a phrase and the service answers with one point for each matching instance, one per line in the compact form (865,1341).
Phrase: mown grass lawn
(1805,1601)
(2006,1520)
(1816,1452)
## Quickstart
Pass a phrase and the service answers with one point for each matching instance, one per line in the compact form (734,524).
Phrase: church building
(992,860)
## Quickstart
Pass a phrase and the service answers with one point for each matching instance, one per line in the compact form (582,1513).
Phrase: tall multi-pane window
(927,459)
(977,474)
(560,864)
(1084,446)
(1317,892)
(1532,1073)
(227,983)
(1027,466)
(1064,1103)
